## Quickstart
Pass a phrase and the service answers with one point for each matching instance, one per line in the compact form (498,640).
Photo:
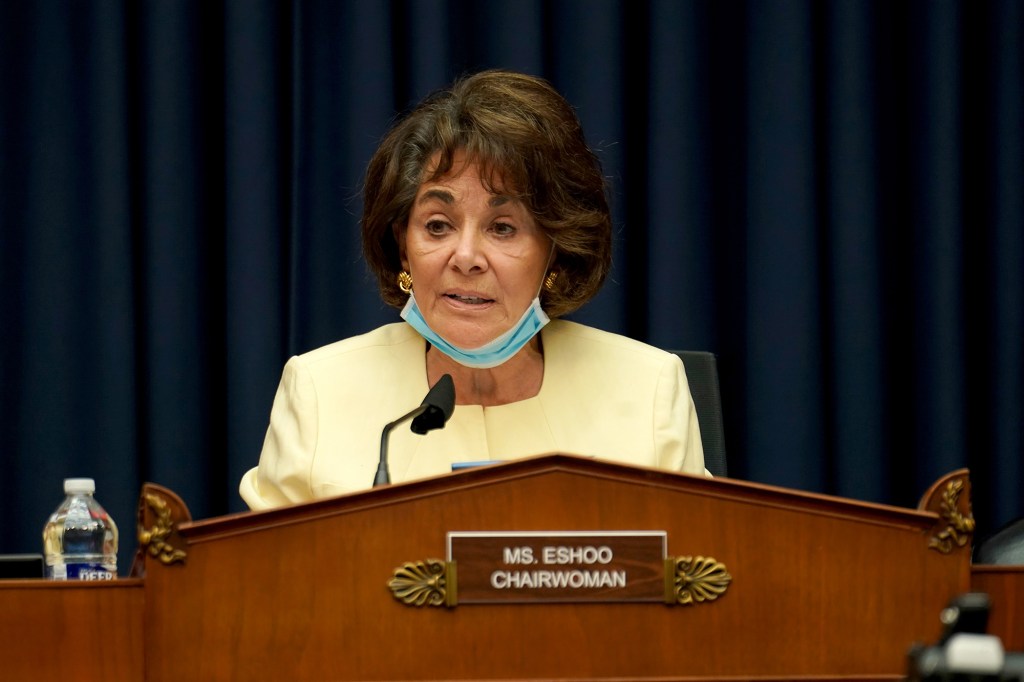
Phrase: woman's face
(476,258)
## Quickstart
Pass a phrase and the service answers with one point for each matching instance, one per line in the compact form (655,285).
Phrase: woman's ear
(399,233)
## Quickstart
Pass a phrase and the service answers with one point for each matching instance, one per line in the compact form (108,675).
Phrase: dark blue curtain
(828,195)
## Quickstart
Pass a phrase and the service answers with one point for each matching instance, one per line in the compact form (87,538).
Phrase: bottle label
(84,571)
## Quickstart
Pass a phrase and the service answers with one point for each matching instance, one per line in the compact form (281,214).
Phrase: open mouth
(471,300)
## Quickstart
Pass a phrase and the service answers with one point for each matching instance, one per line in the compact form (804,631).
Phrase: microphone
(433,413)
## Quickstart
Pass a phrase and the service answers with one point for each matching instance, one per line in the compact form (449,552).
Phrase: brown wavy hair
(527,140)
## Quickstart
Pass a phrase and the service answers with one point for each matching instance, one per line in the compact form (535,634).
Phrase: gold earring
(549,281)
(405,282)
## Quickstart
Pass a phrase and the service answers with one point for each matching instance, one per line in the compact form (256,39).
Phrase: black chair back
(702,375)
(1005,547)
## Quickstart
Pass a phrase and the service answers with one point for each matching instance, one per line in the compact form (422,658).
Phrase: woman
(484,216)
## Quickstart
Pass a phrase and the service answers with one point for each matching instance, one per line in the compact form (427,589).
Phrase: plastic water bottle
(80,538)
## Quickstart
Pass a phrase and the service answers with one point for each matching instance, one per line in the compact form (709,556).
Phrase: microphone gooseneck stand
(433,413)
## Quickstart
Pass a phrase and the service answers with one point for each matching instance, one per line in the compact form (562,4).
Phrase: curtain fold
(856,392)
(826,195)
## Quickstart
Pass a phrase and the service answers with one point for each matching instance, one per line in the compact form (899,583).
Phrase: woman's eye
(503,229)
(436,227)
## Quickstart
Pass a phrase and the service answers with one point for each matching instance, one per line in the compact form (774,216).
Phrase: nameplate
(550,566)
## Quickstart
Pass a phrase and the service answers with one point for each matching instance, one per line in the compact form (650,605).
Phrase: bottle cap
(79,485)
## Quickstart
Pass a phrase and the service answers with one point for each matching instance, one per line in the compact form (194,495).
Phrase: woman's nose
(469,255)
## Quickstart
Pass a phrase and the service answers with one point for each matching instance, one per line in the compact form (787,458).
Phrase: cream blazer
(602,395)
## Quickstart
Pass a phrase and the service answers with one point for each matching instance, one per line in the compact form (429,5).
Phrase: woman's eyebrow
(448,198)
(439,194)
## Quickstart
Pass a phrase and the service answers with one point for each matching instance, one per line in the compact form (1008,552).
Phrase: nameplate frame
(558,566)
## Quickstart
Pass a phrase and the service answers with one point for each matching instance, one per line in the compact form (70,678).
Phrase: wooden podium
(760,583)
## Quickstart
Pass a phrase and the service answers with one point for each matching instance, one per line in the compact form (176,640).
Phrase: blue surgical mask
(492,353)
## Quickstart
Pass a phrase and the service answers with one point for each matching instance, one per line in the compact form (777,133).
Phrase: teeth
(467,299)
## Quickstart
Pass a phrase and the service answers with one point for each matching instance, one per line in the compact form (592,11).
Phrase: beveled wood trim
(739,492)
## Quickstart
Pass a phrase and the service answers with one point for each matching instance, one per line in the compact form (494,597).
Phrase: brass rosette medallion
(694,580)
(422,583)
